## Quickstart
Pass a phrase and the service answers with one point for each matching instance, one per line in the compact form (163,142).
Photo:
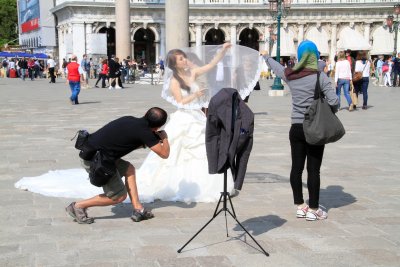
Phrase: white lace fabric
(240,68)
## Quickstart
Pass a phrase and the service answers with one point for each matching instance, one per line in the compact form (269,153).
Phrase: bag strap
(366,62)
(317,92)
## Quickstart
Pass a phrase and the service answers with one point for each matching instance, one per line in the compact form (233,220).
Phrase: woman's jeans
(75,89)
(346,86)
(301,151)
(362,87)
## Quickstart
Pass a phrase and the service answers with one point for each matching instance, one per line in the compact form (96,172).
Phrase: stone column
(267,38)
(333,41)
(367,29)
(233,33)
(300,36)
(163,53)
(88,33)
(78,34)
(62,53)
(122,28)
(177,23)
(199,36)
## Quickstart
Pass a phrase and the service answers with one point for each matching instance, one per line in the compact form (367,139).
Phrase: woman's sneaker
(144,214)
(313,215)
(301,212)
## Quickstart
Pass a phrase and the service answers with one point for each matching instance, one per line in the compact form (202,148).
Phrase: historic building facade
(88,27)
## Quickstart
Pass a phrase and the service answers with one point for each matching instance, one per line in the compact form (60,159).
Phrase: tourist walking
(31,68)
(343,78)
(363,65)
(379,65)
(396,70)
(51,64)
(103,74)
(387,71)
(85,64)
(74,77)
(302,79)
(23,66)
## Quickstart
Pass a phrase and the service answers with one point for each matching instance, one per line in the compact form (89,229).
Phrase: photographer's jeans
(75,89)
(346,86)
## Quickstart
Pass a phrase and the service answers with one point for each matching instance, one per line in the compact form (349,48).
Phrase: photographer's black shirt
(121,136)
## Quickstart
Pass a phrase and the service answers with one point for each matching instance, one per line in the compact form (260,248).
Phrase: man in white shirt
(50,67)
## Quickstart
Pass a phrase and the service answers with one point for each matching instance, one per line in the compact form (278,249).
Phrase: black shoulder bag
(102,167)
(321,126)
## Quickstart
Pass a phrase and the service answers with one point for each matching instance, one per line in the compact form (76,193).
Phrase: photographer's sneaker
(302,211)
(78,214)
(313,215)
(144,214)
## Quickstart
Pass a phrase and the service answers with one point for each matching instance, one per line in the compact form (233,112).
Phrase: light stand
(278,9)
(394,26)
(224,197)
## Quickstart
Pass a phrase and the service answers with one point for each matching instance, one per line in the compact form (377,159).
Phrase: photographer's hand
(162,134)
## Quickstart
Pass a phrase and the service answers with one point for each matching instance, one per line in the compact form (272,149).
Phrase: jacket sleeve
(212,141)
(242,157)
(329,92)
(277,68)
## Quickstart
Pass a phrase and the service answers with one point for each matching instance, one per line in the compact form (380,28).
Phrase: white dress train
(182,177)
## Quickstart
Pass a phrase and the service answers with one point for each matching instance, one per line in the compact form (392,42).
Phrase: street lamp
(278,9)
(394,25)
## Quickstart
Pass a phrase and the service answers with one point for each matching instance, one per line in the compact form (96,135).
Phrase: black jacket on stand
(229,134)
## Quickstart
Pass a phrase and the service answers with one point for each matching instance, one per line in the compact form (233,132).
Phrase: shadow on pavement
(261,224)
(334,197)
(124,210)
(92,102)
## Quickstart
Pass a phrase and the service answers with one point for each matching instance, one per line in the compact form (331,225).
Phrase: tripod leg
(266,253)
(215,215)
(233,210)
(216,209)
(226,225)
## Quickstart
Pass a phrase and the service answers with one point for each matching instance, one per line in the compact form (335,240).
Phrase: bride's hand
(200,93)
(226,46)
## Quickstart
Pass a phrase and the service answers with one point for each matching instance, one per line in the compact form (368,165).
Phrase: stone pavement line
(359,187)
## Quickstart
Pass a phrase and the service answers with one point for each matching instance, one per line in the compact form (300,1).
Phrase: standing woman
(363,64)
(343,78)
(302,79)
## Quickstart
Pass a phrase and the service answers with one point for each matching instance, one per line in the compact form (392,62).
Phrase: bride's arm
(201,70)
(177,94)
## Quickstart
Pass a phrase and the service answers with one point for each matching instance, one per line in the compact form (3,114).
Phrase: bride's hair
(171,63)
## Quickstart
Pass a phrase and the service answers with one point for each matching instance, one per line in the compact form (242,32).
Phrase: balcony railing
(240,2)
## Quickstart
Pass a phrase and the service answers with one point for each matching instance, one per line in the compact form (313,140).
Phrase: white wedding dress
(182,177)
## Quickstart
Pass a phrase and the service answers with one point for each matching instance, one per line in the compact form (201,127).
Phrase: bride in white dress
(184,175)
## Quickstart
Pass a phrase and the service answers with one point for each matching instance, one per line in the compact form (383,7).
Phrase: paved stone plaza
(360,188)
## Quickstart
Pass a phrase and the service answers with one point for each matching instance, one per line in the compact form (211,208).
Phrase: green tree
(8,21)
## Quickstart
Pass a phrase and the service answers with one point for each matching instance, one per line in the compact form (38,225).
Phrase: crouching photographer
(101,155)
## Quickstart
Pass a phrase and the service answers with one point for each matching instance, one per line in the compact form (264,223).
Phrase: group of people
(386,70)
(31,68)
(344,71)
(177,168)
